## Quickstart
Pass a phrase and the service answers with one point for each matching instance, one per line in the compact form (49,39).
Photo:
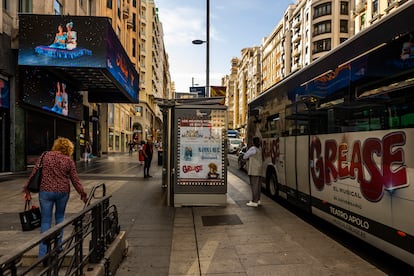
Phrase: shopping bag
(141,155)
(30,217)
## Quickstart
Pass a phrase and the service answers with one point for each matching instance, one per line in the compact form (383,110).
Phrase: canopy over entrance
(84,50)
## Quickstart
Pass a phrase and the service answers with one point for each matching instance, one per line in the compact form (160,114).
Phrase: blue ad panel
(4,94)
(64,41)
(391,60)
(120,66)
(43,90)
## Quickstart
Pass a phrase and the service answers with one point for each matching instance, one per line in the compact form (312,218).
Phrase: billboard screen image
(44,90)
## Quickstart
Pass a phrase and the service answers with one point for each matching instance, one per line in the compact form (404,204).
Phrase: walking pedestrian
(148,152)
(131,146)
(254,154)
(87,152)
(58,169)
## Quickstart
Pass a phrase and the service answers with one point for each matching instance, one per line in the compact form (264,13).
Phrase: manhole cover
(221,220)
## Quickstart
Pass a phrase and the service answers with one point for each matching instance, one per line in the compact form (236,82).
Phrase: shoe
(149,175)
(252,204)
(145,176)
(45,262)
(259,203)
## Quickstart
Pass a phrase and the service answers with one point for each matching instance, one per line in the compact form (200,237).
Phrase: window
(134,20)
(26,6)
(118,3)
(134,3)
(5,5)
(322,27)
(344,8)
(57,7)
(322,45)
(134,45)
(362,22)
(321,10)
(374,8)
(343,26)
(109,4)
(118,32)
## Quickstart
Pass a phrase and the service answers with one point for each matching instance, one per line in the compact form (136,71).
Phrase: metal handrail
(96,223)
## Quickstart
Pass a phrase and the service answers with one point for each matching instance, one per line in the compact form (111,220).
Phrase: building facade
(154,74)
(248,85)
(230,82)
(308,30)
(107,119)
(368,12)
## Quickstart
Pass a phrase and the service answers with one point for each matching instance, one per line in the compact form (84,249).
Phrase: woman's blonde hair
(63,145)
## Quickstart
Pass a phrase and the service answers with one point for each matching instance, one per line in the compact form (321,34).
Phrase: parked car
(234,144)
(243,163)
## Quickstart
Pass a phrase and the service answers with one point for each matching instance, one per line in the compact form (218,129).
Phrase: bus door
(297,154)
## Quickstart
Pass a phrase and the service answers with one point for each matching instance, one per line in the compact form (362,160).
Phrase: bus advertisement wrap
(365,175)
(351,113)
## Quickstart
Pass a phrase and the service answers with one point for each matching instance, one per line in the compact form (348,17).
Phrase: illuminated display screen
(62,41)
(43,90)
(76,42)
(4,94)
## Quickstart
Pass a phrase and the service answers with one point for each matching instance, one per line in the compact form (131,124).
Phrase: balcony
(296,23)
(296,52)
(296,37)
(361,7)
(125,12)
(130,23)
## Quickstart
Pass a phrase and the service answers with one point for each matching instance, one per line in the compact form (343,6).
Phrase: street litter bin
(160,157)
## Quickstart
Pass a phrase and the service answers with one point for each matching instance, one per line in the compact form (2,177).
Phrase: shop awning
(84,50)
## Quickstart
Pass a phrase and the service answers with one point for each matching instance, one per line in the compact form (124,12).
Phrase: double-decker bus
(338,135)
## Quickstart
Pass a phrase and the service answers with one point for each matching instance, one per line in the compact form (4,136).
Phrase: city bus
(338,135)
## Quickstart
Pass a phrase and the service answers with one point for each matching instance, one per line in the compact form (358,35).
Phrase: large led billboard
(46,91)
(81,42)
(4,94)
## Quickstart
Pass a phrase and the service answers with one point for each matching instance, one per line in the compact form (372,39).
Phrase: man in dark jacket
(148,151)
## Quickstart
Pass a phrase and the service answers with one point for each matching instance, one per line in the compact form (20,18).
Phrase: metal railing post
(97,246)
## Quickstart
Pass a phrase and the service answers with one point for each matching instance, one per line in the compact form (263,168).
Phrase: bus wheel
(272,187)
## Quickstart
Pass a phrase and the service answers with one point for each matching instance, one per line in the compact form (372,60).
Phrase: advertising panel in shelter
(200,156)
(200,148)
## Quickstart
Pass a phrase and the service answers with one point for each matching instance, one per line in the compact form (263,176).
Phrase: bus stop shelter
(194,151)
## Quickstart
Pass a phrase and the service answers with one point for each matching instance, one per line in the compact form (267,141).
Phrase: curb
(113,258)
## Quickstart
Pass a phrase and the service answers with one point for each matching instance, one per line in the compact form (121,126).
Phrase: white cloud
(182,25)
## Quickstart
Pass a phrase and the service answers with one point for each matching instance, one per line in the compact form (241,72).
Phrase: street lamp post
(207,42)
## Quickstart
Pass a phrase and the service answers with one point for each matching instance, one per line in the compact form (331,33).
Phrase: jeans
(147,165)
(47,201)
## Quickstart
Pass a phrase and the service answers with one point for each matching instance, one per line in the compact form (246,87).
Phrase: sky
(234,25)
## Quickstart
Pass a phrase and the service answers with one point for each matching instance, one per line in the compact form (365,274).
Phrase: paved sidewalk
(269,241)
(162,240)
